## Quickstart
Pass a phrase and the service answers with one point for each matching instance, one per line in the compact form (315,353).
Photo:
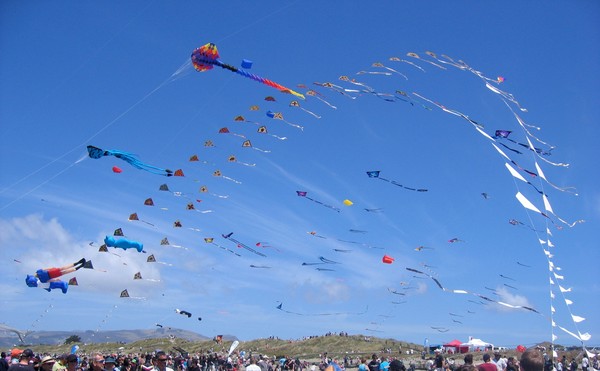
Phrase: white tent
(476,344)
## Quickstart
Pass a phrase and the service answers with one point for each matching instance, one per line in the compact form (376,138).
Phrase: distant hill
(9,339)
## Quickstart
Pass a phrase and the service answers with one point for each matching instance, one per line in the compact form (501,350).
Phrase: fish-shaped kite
(207,56)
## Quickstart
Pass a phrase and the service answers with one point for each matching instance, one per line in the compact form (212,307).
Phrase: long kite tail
(249,75)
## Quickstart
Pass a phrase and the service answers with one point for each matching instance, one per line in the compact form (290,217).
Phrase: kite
(46,275)
(138,276)
(123,243)
(96,153)
(134,216)
(248,144)
(73,282)
(34,281)
(211,241)
(280,307)
(165,242)
(415,55)
(453,240)
(259,266)
(183,312)
(472,293)
(218,173)
(375,174)
(125,294)
(315,94)
(323,261)
(353,81)
(304,194)
(295,103)
(396,292)
(103,248)
(241,118)
(338,89)
(279,116)
(116,169)
(204,189)
(387,259)
(152,259)
(396,59)
(118,232)
(240,244)
(503,134)
(348,202)
(380,65)
(423,247)
(225,130)
(270,99)
(207,56)
(190,206)
(265,245)
(263,130)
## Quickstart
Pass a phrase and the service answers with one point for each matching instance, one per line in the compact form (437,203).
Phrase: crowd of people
(530,360)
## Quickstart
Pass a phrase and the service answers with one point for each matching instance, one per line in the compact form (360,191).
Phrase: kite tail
(268,82)
(135,162)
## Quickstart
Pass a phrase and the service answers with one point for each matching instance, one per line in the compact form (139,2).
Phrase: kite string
(84,143)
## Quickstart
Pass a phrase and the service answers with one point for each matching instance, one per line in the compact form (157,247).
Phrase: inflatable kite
(96,153)
(207,56)
(123,243)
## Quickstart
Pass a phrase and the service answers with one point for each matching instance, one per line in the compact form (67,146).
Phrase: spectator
(23,364)
(531,360)
(487,365)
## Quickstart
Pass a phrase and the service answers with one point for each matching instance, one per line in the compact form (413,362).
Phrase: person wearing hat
(24,358)
(160,361)
(47,363)
(110,364)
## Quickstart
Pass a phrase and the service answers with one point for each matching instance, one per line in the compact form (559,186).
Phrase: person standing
(23,364)
(487,364)
(253,366)
(374,363)
(531,360)
(160,361)
(3,362)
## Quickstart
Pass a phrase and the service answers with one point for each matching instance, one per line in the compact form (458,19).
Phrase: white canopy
(474,343)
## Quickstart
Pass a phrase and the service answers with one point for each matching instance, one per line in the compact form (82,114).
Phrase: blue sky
(117,75)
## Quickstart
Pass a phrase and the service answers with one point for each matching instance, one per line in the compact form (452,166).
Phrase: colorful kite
(96,153)
(46,275)
(375,174)
(207,56)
